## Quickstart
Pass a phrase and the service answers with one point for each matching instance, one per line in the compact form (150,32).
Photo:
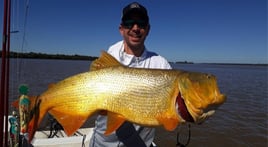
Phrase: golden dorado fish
(147,97)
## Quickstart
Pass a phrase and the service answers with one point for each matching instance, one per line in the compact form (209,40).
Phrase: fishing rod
(5,75)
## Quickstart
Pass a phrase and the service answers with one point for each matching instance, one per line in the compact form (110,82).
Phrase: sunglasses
(130,23)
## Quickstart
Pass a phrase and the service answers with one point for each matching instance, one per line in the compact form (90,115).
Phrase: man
(131,52)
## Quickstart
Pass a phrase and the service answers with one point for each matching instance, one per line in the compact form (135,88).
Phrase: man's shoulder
(155,56)
(157,60)
(151,54)
(115,47)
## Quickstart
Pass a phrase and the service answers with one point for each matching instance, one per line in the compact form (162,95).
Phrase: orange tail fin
(35,119)
(32,127)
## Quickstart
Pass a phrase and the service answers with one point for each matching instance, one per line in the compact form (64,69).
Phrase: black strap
(127,134)
(179,144)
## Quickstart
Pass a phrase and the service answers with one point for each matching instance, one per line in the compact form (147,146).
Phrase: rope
(83,141)
(55,128)
(23,37)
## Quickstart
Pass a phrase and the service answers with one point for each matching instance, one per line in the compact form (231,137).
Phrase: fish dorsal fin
(114,121)
(51,85)
(105,60)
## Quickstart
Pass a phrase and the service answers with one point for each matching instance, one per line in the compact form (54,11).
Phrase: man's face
(134,30)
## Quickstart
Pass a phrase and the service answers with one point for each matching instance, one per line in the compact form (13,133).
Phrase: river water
(241,121)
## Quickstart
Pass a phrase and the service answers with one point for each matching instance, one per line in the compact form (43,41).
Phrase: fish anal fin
(169,123)
(105,60)
(114,122)
(70,123)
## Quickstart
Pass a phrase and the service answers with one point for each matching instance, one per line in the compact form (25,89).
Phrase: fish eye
(208,76)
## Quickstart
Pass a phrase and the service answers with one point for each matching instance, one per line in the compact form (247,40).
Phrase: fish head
(201,95)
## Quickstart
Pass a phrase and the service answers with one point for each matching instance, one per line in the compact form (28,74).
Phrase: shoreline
(33,55)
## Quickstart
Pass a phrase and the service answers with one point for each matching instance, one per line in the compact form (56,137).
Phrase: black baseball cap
(135,8)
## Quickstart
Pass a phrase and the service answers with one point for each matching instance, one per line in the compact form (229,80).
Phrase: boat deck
(81,138)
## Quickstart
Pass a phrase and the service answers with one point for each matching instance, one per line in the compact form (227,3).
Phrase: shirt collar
(128,59)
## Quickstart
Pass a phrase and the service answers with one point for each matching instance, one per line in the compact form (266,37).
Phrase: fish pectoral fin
(69,122)
(114,122)
(169,123)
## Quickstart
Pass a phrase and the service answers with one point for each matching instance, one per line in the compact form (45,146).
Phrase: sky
(199,31)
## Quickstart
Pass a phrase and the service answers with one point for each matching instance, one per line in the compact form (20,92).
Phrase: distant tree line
(34,55)
(49,56)
(184,62)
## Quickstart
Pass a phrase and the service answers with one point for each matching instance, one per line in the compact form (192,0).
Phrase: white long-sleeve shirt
(146,60)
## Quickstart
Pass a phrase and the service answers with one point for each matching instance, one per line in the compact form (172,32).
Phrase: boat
(55,137)
(80,138)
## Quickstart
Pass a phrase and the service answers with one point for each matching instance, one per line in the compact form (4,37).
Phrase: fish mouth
(195,118)
(182,109)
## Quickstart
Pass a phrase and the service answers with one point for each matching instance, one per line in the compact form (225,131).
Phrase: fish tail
(32,127)
(35,119)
